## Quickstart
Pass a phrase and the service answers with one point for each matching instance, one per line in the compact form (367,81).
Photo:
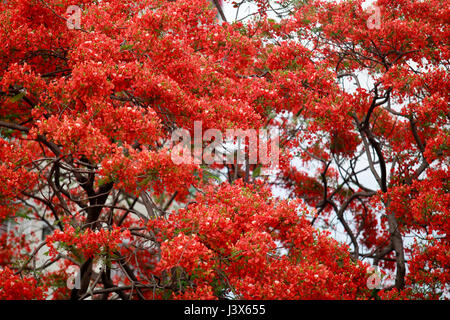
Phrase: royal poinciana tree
(90,98)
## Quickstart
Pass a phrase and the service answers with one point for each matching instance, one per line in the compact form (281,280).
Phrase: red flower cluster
(87,116)
(15,287)
(87,243)
(236,241)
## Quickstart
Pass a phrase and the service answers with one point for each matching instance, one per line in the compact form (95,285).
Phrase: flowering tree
(91,93)
(371,112)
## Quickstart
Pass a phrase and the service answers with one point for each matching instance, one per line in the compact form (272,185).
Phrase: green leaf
(17,97)
(236,254)
(257,171)
(209,174)
(126,47)
(23,215)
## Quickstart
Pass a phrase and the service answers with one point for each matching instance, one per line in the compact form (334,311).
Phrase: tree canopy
(91,93)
